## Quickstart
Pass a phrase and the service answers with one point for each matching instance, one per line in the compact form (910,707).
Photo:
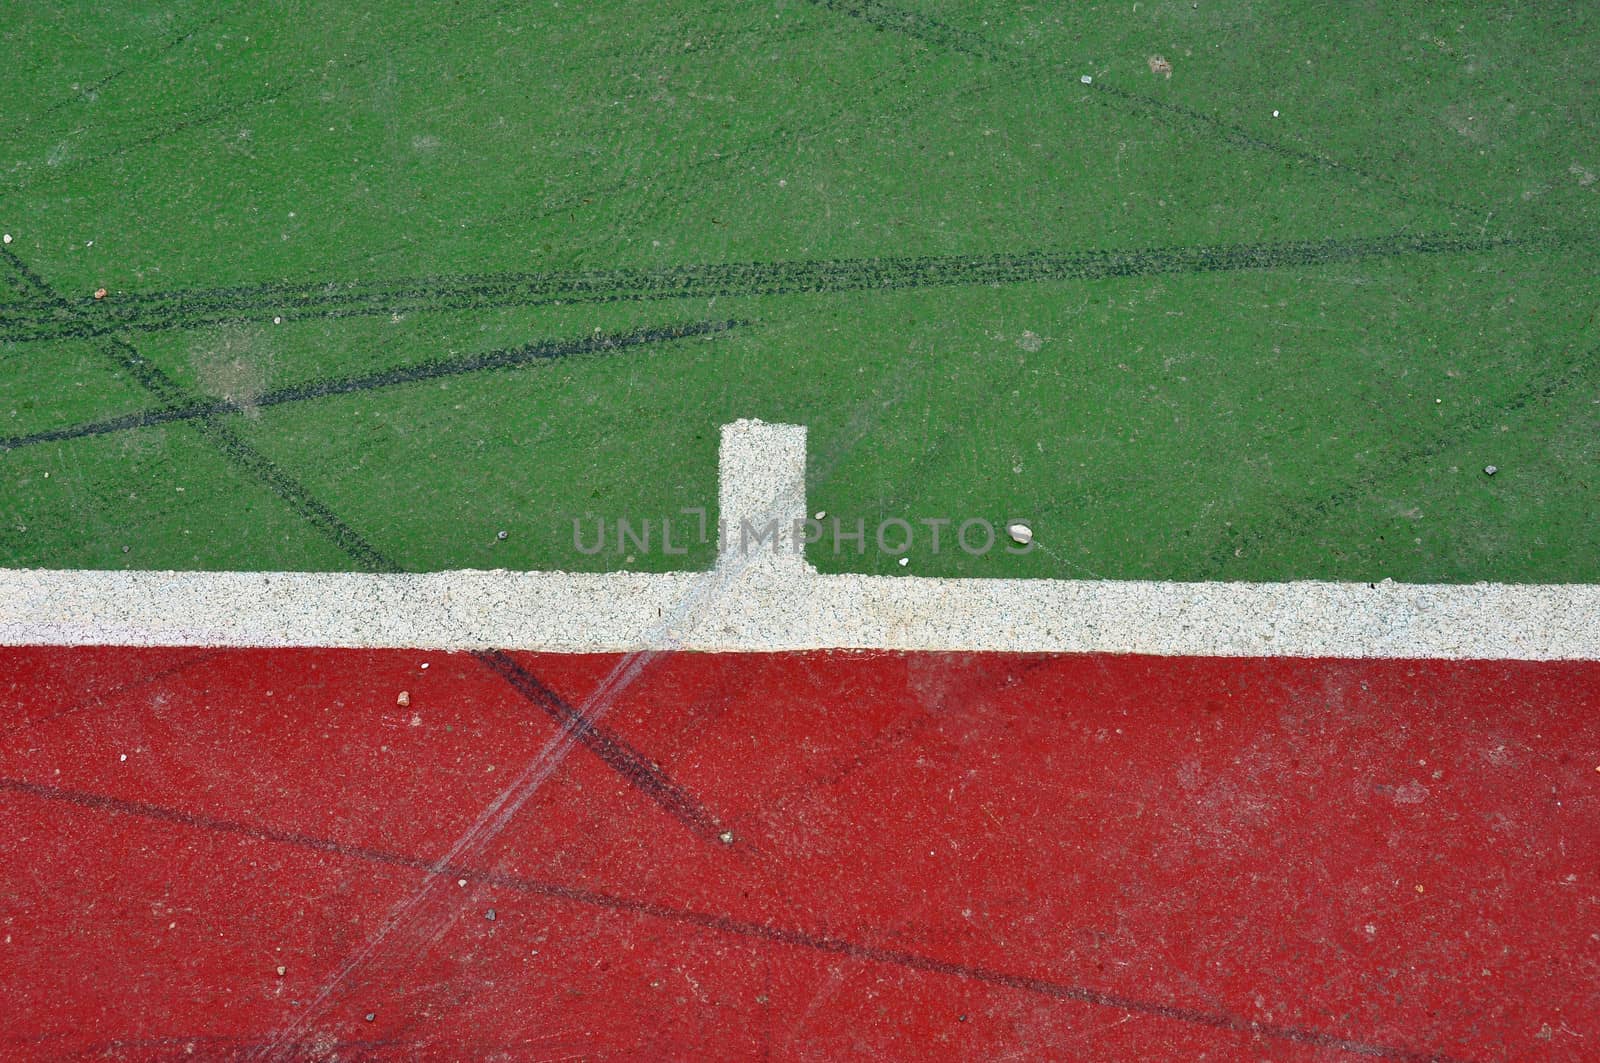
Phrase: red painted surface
(932,856)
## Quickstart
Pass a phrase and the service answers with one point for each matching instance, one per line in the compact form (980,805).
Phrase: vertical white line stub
(761,497)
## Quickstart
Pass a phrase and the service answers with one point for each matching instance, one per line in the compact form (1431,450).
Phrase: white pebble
(1087,80)
(1020,532)
(904,561)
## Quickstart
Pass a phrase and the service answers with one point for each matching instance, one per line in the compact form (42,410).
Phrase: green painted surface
(1326,413)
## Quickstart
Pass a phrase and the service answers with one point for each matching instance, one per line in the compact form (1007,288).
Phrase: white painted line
(763,603)
(761,484)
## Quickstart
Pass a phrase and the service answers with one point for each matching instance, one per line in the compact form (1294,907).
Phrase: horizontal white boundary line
(621,612)
(767,603)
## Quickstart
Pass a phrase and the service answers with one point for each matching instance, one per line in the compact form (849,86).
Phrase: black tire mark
(45,296)
(616,753)
(247,458)
(914,24)
(646,779)
(888,18)
(201,308)
(200,118)
(1298,517)
(92,90)
(724,924)
(401,375)
(101,701)
(21,283)
(665,184)
(178,122)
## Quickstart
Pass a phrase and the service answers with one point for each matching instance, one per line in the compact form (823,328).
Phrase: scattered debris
(1490,470)
(1020,533)
(277,320)
(416,721)
(461,882)
(1160,65)
(1274,114)
(403,699)
(1030,341)
(904,561)
(424,664)
(489,915)
(727,837)
(371,1016)
(8,238)
(99,293)
(282,971)
(1087,80)
(500,535)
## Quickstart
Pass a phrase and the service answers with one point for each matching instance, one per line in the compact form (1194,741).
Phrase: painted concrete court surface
(328,333)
